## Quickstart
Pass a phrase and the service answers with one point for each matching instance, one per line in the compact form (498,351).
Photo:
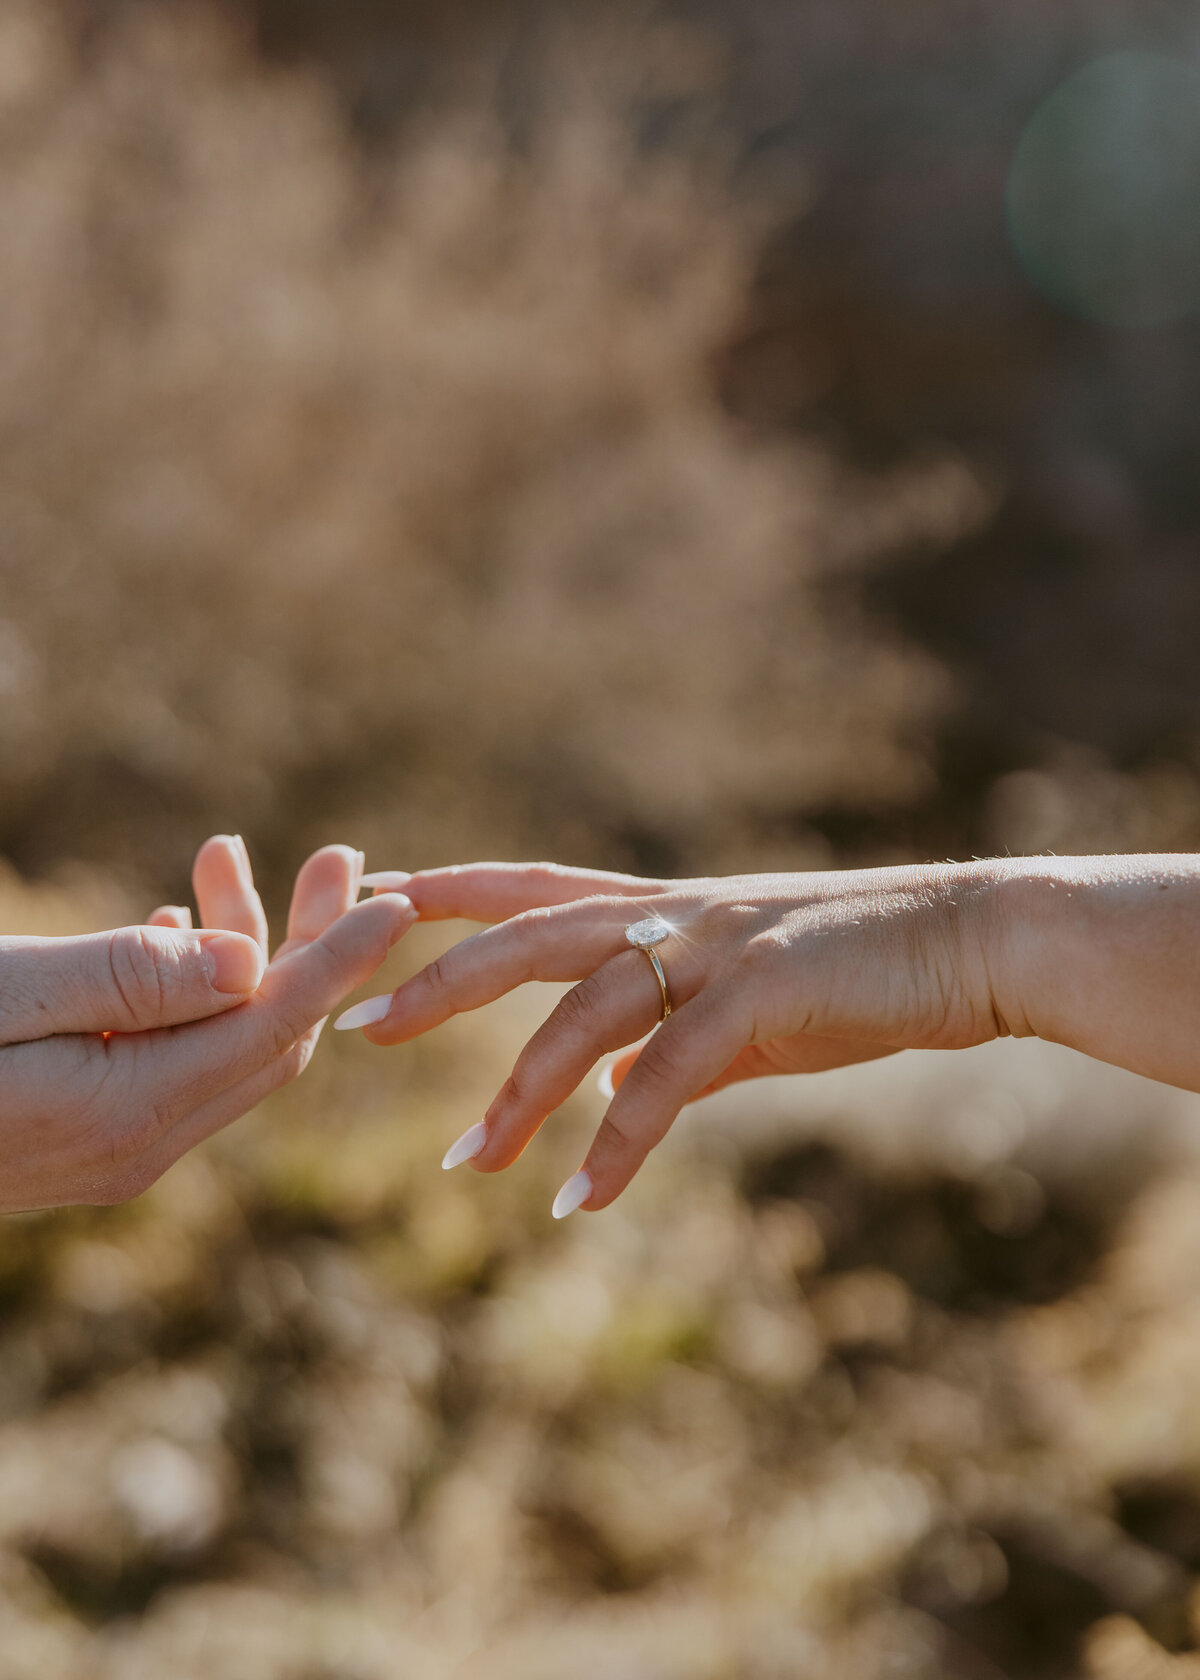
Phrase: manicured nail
(572,1195)
(387,880)
(242,848)
(364,1014)
(235,963)
(604,1082)
(468,1146)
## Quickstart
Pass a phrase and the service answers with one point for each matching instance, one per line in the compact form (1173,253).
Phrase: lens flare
(1104,192)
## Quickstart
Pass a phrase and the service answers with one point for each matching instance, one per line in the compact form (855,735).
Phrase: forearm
(1102,954)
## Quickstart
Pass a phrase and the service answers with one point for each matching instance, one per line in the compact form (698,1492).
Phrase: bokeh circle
(1103,193)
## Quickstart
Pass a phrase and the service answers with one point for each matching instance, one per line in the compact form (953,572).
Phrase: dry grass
(395,493)
(389,499)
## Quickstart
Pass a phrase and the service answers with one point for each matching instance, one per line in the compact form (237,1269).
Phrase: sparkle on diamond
(650,932)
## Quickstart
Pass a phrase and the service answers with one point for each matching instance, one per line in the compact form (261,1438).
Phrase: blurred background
(672,437)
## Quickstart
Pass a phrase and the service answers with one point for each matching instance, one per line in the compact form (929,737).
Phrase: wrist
(1077,942)
(1027,908)
(995,933)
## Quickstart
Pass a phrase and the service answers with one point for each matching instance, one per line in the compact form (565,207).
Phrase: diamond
(650,932)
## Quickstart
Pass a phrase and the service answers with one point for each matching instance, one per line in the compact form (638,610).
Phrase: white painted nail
(387,880)
(572,1195)
(604,1082)
(467,1147)
(364,1014)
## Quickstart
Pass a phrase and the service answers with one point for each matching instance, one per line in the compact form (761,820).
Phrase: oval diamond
(650,932)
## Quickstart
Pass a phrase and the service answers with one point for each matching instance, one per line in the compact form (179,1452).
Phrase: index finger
(492,892)
(557,942)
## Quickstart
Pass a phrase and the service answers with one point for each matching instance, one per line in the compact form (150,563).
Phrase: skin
(119,1052)
(774,974)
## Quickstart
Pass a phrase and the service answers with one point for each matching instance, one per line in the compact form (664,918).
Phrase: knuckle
(661,1065)
(576,1012)
(144,971)
(615,1136)
(756,954)
(515,1090)
(531,921)
(736,921)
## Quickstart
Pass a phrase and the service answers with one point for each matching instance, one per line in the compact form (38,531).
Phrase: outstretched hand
(120,1051)
(768,974)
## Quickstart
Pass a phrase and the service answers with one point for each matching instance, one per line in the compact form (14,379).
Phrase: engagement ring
(644,936)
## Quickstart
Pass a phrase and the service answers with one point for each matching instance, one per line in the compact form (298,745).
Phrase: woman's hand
(767,974)
(122,1050)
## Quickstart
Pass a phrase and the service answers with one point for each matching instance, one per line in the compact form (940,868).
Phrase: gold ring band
(644,936)
(662,982)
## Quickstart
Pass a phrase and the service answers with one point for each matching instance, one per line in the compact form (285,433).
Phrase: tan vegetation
(387,497)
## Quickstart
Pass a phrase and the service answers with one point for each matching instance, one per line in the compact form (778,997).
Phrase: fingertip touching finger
(313,976)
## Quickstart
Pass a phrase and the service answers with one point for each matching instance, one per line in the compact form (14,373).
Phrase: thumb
(126,980)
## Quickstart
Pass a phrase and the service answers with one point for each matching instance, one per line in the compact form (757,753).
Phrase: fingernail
(604,1082)
(243,848)
(362,864)
(572,1195)
(364,1014)
(235,963)
(468,1146)
(400,928)
(387,880)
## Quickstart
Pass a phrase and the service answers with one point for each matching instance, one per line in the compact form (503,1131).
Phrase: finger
(170,915)
(127,980)
(224,886)
(564,942)
(325,889)
(492,892)
(177,1070)
(691,1048)
(617,1003)
(222,1110)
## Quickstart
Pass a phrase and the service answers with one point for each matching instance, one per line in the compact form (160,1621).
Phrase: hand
(768,974)
(122,1050)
